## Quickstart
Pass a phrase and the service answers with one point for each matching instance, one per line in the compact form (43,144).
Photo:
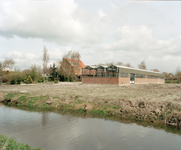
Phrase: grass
(115,107)
(99,112)
(169,112)
(11,144)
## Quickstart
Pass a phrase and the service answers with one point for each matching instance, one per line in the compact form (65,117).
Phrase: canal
(55,131)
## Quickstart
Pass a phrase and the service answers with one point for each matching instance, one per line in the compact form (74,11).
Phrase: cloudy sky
(102,31)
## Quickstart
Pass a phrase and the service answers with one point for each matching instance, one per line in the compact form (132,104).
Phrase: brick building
(116,74)
(77,67)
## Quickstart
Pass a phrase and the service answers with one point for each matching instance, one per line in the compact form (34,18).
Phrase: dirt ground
(88,92)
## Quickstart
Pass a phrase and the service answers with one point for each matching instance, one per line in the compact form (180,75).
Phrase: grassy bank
(156,112)
(7,143)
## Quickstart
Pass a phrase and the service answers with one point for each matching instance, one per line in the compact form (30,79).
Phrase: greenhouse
(116,74)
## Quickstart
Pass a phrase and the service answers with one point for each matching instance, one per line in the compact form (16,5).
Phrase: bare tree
(65,67)
(178,74)
(45,60)
(166,75)
(119,63)
(156,70)
(109,63)
(8,63)
(75,55)
(127,65)
(142,65)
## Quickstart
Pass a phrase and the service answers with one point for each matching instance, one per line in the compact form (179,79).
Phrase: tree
(53,71)
(45,60)
(178,74)
(8,63)
(66,68)
(35,72)
(156,70)
(166,75)
(127,65)
(119,63)
(142,65)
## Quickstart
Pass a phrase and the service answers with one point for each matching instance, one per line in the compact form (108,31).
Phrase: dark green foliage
(169,112)
(18,80)
(72,79)
(50,79)
(54,73)
(11,144)
(66,79)
(13,81)
(39,81)
(162,115)
(106,102)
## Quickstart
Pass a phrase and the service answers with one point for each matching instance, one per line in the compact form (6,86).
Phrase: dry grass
(111,93)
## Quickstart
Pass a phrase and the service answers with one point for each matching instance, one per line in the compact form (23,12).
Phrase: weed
(180,109)
(106,102)
(115,107)
(169,112)
(63,98)
(105,107)
(162,115)
(9,143)
(22,99)
(99,112)
(56,97)
(10,95)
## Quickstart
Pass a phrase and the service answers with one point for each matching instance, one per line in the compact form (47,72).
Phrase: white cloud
(116,31)
(101,14)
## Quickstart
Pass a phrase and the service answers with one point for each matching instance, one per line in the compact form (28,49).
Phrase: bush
(50,79)
(175,81)
(55,81)
(13,81)
(18,80)
(28,80)
(39,81)
(168,81)
(5,79)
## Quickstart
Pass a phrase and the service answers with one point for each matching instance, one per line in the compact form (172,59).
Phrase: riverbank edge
(155,112)
(9,143)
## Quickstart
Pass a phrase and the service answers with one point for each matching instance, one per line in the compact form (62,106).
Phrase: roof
(80,65)
(125,69)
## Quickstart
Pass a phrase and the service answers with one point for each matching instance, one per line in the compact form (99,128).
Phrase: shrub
(5,79)
(13,81)
(50,79)
(28,80)
(39,81)
(18,80)
(55,81)
(175,81)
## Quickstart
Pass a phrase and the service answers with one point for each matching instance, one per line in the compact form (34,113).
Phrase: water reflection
(52,130)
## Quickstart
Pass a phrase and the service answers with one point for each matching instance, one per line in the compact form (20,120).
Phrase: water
(55,131)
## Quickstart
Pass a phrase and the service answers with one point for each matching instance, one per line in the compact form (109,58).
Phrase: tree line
(61,70)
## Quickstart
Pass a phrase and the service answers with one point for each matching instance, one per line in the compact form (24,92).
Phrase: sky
(101,31)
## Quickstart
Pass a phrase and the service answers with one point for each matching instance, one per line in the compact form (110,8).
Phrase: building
(119,75)
(77,67)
